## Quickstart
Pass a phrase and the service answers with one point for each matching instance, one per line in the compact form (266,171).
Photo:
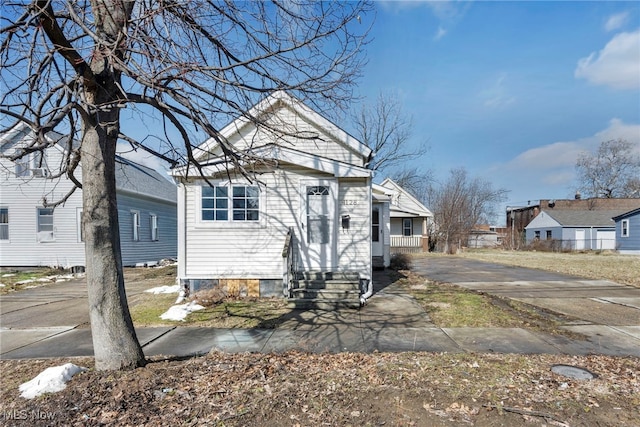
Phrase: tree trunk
(114,339)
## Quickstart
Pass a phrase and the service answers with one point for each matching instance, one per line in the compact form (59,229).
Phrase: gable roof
(627,214)
(583,218)
(402,202)
(131,177)
(281,98)
(141,180)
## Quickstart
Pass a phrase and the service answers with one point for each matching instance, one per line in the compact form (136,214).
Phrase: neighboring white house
(574,229)
(628,232)
(32,234)
(409,220)
(305,210)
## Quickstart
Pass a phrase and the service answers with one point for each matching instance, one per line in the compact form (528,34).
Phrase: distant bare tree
(187,68)
(613,171)
(415,180)
(387,130)
(459,204)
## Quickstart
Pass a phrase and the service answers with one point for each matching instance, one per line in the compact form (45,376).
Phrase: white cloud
(548,171)
(497,94)
(616,21)
(565,154)
(617,65)
(440,34)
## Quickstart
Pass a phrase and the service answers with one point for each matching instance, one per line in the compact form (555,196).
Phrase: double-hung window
(45,225)
(4,223)
(624,228)
(135,221)
(230,203)
(153,219)
(407,227)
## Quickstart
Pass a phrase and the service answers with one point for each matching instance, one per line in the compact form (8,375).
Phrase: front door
(376,230)
(318,222)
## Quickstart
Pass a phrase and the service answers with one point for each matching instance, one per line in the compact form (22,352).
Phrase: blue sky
(512,91)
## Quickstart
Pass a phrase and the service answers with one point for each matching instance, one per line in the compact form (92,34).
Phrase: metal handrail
(287,264)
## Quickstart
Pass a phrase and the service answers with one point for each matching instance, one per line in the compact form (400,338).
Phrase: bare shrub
(210,297)
(400,261)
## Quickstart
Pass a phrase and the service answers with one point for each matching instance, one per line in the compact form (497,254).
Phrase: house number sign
(350,202)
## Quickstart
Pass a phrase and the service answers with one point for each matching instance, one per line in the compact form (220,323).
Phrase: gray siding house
(32,234)
(574,229)
(628,232)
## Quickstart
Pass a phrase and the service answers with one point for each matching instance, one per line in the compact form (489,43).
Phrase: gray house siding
(145,250)
(631,243)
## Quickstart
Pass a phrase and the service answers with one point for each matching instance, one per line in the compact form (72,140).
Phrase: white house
(574,229)
(300,219)
(409,220)
(32,234)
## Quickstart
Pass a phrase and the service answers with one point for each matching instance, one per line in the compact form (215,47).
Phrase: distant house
(518,217)
(409,220)
(307,216)
(32,234)
(486,236)
(628,232)
(574,229)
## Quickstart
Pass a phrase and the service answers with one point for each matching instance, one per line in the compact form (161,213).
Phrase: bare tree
(613,171)
(459,204)
(416,181)
(74,66)
(387,130)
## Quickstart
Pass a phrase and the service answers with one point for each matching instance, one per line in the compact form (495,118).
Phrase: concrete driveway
(62,304)
(599,302)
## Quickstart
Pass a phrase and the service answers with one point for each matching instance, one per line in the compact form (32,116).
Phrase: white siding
(354,246)
(313,139)
(244,250)
(22,197)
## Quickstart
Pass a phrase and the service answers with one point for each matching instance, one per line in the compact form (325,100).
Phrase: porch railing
(288,261)
(406,241)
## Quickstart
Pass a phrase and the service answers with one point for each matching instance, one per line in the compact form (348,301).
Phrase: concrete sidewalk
(191,341)
(391,321)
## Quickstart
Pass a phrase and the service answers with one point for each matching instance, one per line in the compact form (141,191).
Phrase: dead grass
(15,280)
(346,389)
(624,269)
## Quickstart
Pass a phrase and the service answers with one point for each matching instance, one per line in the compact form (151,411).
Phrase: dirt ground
(348,389)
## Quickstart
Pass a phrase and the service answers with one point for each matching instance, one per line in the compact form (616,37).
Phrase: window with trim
(536,235)
(235,203)
(45,225)
(135,221)
(549,234)
(153,220)
(4,223)
(407,227)
(32,164)
(624,228)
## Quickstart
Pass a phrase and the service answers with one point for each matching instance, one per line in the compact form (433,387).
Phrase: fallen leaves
(346,389)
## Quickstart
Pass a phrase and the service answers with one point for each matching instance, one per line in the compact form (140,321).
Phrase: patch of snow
(174,289)
(2,285)
(24,282)
(50,380)
(181,296)
(180,312)
(8,275)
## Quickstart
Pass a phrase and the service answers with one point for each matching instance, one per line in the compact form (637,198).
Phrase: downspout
(368,292)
